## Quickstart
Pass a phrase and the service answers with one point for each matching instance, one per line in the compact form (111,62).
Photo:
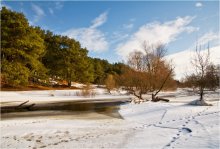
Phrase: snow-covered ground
(45,96)
(146,125)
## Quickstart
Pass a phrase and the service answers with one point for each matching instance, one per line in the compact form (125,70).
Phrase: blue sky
(111,30)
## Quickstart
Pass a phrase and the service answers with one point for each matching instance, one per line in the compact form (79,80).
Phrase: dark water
(95,109)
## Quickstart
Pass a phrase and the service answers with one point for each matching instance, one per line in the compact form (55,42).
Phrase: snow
(78,85)
(182,61)
(147,125)
(55,96)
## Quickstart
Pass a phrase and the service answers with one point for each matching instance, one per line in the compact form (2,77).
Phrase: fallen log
(156,99)
(16,108)
(22,103)
(163,99)
(29,106)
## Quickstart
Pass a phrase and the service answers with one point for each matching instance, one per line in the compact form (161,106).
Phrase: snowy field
(148,125)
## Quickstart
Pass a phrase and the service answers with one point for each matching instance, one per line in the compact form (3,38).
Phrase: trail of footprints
(40,141)
(187,131)
(58,137)
(183,130)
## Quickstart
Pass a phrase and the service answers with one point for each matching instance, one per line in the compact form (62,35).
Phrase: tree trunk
(156,99)
(201,94)
(109,91)
(153,97)
(162,85)
(138,96)
(69,83)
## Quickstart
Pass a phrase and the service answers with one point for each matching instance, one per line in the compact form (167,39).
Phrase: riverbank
(163,125)
(175,124)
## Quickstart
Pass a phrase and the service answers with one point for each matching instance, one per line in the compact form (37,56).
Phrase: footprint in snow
(38,140)
(64,140)
(168,145)
(186,130)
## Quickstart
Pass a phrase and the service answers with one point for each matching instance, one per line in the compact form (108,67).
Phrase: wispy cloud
(132,19)
(198,4)
(58,5)
(209,38)
(51,11)
(118,37)
(91,38)
(100,20)
(39,12)
(128,26)
(155,32)
(182,60)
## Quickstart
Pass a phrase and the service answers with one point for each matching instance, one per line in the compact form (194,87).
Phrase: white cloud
(198,4)
(207,38)
(155,32)
(51,10)
(39,13)
(182,61)
(190,29)
(91,38)
(118,36)
(132,19)
(58,5)
(128,26)
(100,20)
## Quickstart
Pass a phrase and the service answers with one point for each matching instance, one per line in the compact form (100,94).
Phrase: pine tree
(21,49)
(65,58)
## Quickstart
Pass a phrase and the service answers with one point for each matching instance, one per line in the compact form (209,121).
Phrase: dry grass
(35,87)
(87,91)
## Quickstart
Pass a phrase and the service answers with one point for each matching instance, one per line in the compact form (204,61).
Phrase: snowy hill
(182,61)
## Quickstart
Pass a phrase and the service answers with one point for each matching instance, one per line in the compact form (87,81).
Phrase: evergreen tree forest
(31,55)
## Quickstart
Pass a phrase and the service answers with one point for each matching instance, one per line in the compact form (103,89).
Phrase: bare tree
(205,75)
(135,82)
(212,77)
(135,60)
(200,62)
(151,73)
(160,72)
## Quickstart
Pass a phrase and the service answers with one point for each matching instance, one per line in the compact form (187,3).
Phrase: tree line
(30,54)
